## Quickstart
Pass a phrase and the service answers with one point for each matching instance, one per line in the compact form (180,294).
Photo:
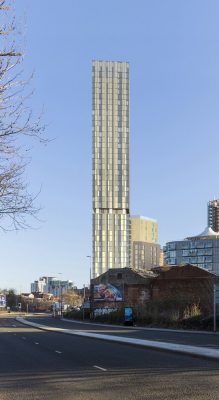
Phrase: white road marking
(15,334)
(187,349)
(23,337)
(101,368)
(57,351)
(36,343)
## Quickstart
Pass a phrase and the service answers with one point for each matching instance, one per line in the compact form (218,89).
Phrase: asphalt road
(47,365)
(210,340)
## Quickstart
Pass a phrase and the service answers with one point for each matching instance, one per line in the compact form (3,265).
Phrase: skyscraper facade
(110,131)
(145,250)
(213,215)
(144,229)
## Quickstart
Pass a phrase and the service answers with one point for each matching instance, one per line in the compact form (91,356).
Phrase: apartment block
(110,132)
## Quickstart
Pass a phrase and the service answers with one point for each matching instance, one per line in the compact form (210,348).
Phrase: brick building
(121,287)
(187,283)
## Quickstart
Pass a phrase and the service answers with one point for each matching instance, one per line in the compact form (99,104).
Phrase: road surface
(46,365)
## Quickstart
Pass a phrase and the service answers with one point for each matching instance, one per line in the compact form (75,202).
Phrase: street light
(90,257)
(83,302)
(60,294)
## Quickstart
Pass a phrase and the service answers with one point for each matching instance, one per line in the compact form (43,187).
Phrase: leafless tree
(17,124)
(72,298)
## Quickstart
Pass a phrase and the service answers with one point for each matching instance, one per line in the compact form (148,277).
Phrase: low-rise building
(188,283)
(121,287)
(180,286)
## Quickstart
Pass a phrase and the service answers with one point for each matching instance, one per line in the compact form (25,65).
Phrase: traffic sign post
(216,301)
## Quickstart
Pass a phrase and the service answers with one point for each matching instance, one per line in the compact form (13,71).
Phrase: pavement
(194,350)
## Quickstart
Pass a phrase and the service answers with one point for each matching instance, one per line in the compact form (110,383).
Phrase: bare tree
(16,123)
(72,298)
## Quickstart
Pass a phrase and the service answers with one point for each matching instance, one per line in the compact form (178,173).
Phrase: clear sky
(173,50)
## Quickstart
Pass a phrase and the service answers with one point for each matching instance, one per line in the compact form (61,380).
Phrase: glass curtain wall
(110,126)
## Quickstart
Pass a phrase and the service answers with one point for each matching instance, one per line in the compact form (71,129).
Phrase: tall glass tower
(110,131)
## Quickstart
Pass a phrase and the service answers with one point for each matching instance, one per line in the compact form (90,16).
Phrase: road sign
(2,301)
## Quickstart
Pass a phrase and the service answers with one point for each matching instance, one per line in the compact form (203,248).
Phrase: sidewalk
(174,347)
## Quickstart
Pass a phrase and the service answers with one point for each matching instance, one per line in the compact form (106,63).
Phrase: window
(208,259)
(208,252)
(193,252)
(193,260)
(200,244)
(185,245)
(171,246)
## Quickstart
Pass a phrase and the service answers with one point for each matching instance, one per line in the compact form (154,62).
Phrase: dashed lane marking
(98,367)
(57,351)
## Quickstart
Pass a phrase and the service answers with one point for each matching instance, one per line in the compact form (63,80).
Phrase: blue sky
(173,50)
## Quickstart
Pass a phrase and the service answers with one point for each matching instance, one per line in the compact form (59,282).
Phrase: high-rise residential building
(110,131)
(213,215)
(144,229)
(39,286)
(145,250)
(50,284)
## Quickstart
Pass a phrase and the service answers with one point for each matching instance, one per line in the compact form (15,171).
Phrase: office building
(39,286)
(145,250)
(110,132)
(213,215)
(52,285)
(201,250)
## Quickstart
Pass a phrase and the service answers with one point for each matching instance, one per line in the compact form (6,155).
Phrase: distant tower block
(213,215)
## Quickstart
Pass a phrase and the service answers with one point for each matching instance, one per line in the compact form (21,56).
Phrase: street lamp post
(83,302)
(90,257)
(60,294)
(61,310)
